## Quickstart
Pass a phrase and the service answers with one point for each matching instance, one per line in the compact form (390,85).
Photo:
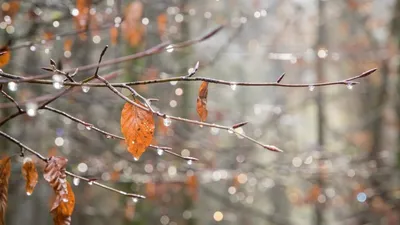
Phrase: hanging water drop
(85,88)
(108,136)
(12,86)
(90,182)
(65,199)
(233,87)
(136,159)
(201,125)
(349,86)
(167,122)
(76,181)
(230,130)
(28,193)
(57,81)
(311,88)
(88,127)
(189,162)
(160,152)
(135,200)
(31,109)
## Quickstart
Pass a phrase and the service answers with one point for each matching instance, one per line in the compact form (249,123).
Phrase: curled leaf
(201,105)
(54,173)
(63,211)
(5,169)
(137,126)
(30,174)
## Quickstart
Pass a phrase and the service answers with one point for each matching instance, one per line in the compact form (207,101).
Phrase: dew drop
(108,137)
(89,127)
(57,81)
(76,181)
(136,159)
(160,152)
(201,125)
(189,162)
(349,86)
(167,122)
(233,87)
(135,200)
(90,182)
(12,86)
(31,109)
(230,131)
(28,193)
(85,89)
(311,88)
(65,199)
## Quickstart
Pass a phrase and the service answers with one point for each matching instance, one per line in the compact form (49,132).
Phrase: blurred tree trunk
(320,67)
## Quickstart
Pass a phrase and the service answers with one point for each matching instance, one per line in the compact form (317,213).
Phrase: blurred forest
(341,143)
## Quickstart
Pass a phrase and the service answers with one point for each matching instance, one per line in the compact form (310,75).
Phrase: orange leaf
(10,8)
(68,45)
(192,184)
(5,169)
(137,126)
(131,27)
(4,56)
(30,174)
(62,213)
(114,35)
(202,101)
(162,21)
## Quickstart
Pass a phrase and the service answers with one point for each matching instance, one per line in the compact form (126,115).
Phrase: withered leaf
(30,174)
(193,185)
(54,173)
(202,101)
(114,35)
(162,21)
(62,208)
(137,126)
(5,169)
(5,56)
(132,28)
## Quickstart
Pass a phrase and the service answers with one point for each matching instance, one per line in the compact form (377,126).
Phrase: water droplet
(349,86)
(311,88)
(65,199)
(201,126)
(28,193)
(90,182)
(160,151)
(136,159)
(85,89)
(230,131)
(57,81)
(108,136)
(31,109)
(167,122)
(76,181)
(190,162)
(88,127)
(233,87)
(135,200)
(12,86)
(170,48)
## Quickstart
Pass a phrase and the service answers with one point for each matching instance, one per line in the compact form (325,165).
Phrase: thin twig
(11,99)
(44,159)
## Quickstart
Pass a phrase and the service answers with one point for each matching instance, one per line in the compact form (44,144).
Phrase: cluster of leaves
(54,173)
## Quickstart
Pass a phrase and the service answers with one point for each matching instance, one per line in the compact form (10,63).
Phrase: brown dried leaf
(5,169)
(63,211)
(114,35)
(162,21)
(30,174)
(137,126)
(54,173)
(5,56)
(193,185)
(202,101)
(131,27)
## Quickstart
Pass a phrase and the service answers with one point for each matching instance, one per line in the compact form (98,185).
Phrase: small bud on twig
(239,125)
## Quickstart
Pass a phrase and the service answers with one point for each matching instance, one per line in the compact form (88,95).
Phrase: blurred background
(341,160)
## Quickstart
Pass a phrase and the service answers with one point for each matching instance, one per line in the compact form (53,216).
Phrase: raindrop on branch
(85,88)
(311,88)
(167,122)
(160,152)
